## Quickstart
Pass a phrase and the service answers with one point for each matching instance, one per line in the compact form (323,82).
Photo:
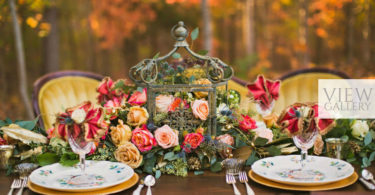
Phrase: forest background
(271,37)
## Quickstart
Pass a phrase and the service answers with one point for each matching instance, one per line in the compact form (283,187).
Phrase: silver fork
(24,183)
(16,184)
(231,180)
(243,179)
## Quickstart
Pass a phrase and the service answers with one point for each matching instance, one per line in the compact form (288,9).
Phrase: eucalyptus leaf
(149,165)
(29,125)
(2,123)
(372,157)
(176,55)
(169,156)
(251,159)
(368,139)
(198,172)
(140,89)
(9,121)
(157,174)
(194,34)
(345,138)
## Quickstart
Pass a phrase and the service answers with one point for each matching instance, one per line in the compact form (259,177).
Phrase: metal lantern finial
(146,72)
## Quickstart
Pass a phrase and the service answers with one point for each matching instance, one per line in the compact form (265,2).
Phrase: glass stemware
(304,141)
(80,146)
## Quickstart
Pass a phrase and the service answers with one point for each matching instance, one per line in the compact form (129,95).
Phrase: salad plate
(285,169)
(103,174)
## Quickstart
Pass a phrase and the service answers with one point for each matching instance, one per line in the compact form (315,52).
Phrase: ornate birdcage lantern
(149,74)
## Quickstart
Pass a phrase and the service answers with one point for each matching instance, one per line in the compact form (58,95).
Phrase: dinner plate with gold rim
(110,190)
(330,186)
(318,170)
(103,174)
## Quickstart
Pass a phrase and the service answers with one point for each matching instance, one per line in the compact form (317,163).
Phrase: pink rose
(166,137)
(163,102)
(264,133)
(143,139)
(138,98)
(226,139)
(200,109)
(111,106)
(192,141)
(247,123)
(105,87)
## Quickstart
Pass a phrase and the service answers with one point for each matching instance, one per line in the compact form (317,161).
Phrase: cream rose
(166,137)
(121,133)
(128,154)
(359,129)
(162,102)
(264,133)
(137,116)
(200,109)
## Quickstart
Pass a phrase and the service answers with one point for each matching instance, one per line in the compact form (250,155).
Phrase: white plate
(322,170)
(104,174)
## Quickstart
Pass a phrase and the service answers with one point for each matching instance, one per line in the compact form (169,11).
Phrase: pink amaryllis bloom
(192,141)
(138,98)
(143,139)
(264,91)
(247,123)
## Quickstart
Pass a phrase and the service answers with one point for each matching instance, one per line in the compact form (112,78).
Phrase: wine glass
(304,141)
(80,146)
(263,109)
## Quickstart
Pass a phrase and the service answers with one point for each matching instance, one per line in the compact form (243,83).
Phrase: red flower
(247,123)
(143,139)
(192,141)
(138,98)
(3,141)
(107,91)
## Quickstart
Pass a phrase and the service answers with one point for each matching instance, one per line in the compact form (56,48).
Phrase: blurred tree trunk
(366,35)
(303,30)
(51,42)
(248,32)
(207,28)
(21,61)
(349,31)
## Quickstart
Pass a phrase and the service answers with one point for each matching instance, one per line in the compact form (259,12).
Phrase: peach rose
(163,102)
(137,116)
(264,133)
(201,94)
(318,145)
(121,133)
(166,137)
(138,98)
(200,109)
(226,139)
(128,154)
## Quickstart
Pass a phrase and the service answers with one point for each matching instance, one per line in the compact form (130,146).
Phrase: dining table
(209,183)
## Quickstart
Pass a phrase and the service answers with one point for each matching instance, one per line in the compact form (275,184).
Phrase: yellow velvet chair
(302,86)
(296,86)
(55,92)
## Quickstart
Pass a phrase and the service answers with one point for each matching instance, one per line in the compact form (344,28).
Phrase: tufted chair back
(55,92)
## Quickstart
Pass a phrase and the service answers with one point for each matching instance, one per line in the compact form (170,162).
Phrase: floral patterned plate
(103,174)
(322,170)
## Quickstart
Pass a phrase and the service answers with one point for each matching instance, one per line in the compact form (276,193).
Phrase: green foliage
(47,158)
(260,141)
(28,124)
(194,34)
(69,159)
(216,167)
(176,55)
(273,151)
(156,55)
(252,158)
(368,139)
